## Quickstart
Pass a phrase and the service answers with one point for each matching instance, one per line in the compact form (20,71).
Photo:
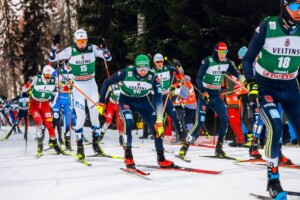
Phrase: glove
(177,91)
(205,97)
(102,42)
(253,90)
(106,54)
(101,108)
(177,63)
(56,39)
(159,128)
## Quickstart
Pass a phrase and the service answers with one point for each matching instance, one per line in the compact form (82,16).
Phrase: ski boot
(129,162)
(97,149)
(274,187)
(235,144)
(254,153)
(162,161)
(25,135)
(80,150)
(68,143)
(284,160)
(219,150)
(56,147)
(40,147)
(183,150)
(121,140)
(50,144)
(182,136)
(101,137)
(19,131)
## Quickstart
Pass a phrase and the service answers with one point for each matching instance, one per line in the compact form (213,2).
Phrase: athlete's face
(81,43)
(294,11)
(222,54)
(142,71)
(159,64)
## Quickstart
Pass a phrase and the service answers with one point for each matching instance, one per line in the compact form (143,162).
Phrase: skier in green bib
(166,74)
(136,83)
(82,60)
(276,43)
(209,80)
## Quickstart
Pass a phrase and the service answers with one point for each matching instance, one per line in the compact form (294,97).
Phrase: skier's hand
(101,108)
(159,128)
(56,39)
(101,137)
(205,97)
(102,42)
(177,91)
(106,54)
(252,86)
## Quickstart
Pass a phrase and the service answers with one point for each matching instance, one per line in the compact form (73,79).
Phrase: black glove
(177,63)
(56,39)
(102,42)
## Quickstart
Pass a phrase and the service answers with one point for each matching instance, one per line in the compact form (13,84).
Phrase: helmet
(142,61)
(47,71)
(221,46)
(242,52)
(80,34)
(285,15)
(158,57)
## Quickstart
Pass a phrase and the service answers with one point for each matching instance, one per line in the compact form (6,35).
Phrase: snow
(58,177)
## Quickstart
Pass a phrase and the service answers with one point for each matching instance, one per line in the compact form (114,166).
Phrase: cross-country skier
(82,59)
(137,82)
(209,80)
(42,87)
(276,43)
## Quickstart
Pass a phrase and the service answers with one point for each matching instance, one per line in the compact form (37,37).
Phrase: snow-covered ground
(58,177)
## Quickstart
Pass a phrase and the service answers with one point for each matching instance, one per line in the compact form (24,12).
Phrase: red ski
(252,160)
(137,172)
(284,165)
(184,169)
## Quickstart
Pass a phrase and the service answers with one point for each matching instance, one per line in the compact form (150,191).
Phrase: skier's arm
(157,98)
(232,70)
(101,53)
(63,55)
(202,70)
(255,46)
(115,78)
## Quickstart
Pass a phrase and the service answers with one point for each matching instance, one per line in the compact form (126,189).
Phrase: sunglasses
(294,6)
(81,41)
(139,69)
(47,75)
(222,52)
(160,61)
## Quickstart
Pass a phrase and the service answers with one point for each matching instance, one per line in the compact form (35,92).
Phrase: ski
(38,155)
(225,157)
(63,153)
(253,160)
(137,172)
(283,165)
(166,151)
(196,145)
(84,162)
(292,193)
(106,156)
(184,169)
(183,158)
(3,139)
(261,197)
(47,149)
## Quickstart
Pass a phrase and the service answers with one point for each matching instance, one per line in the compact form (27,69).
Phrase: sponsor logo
(212,86)
(128,116)
(268,98)
(274,114)
(203,107)
(89,48)
(83,78)
(287,42)
(286,51)
(278,76)
(126,107)
(272,25)
(129,74)
(81,62)
(48,115)
(269,105)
